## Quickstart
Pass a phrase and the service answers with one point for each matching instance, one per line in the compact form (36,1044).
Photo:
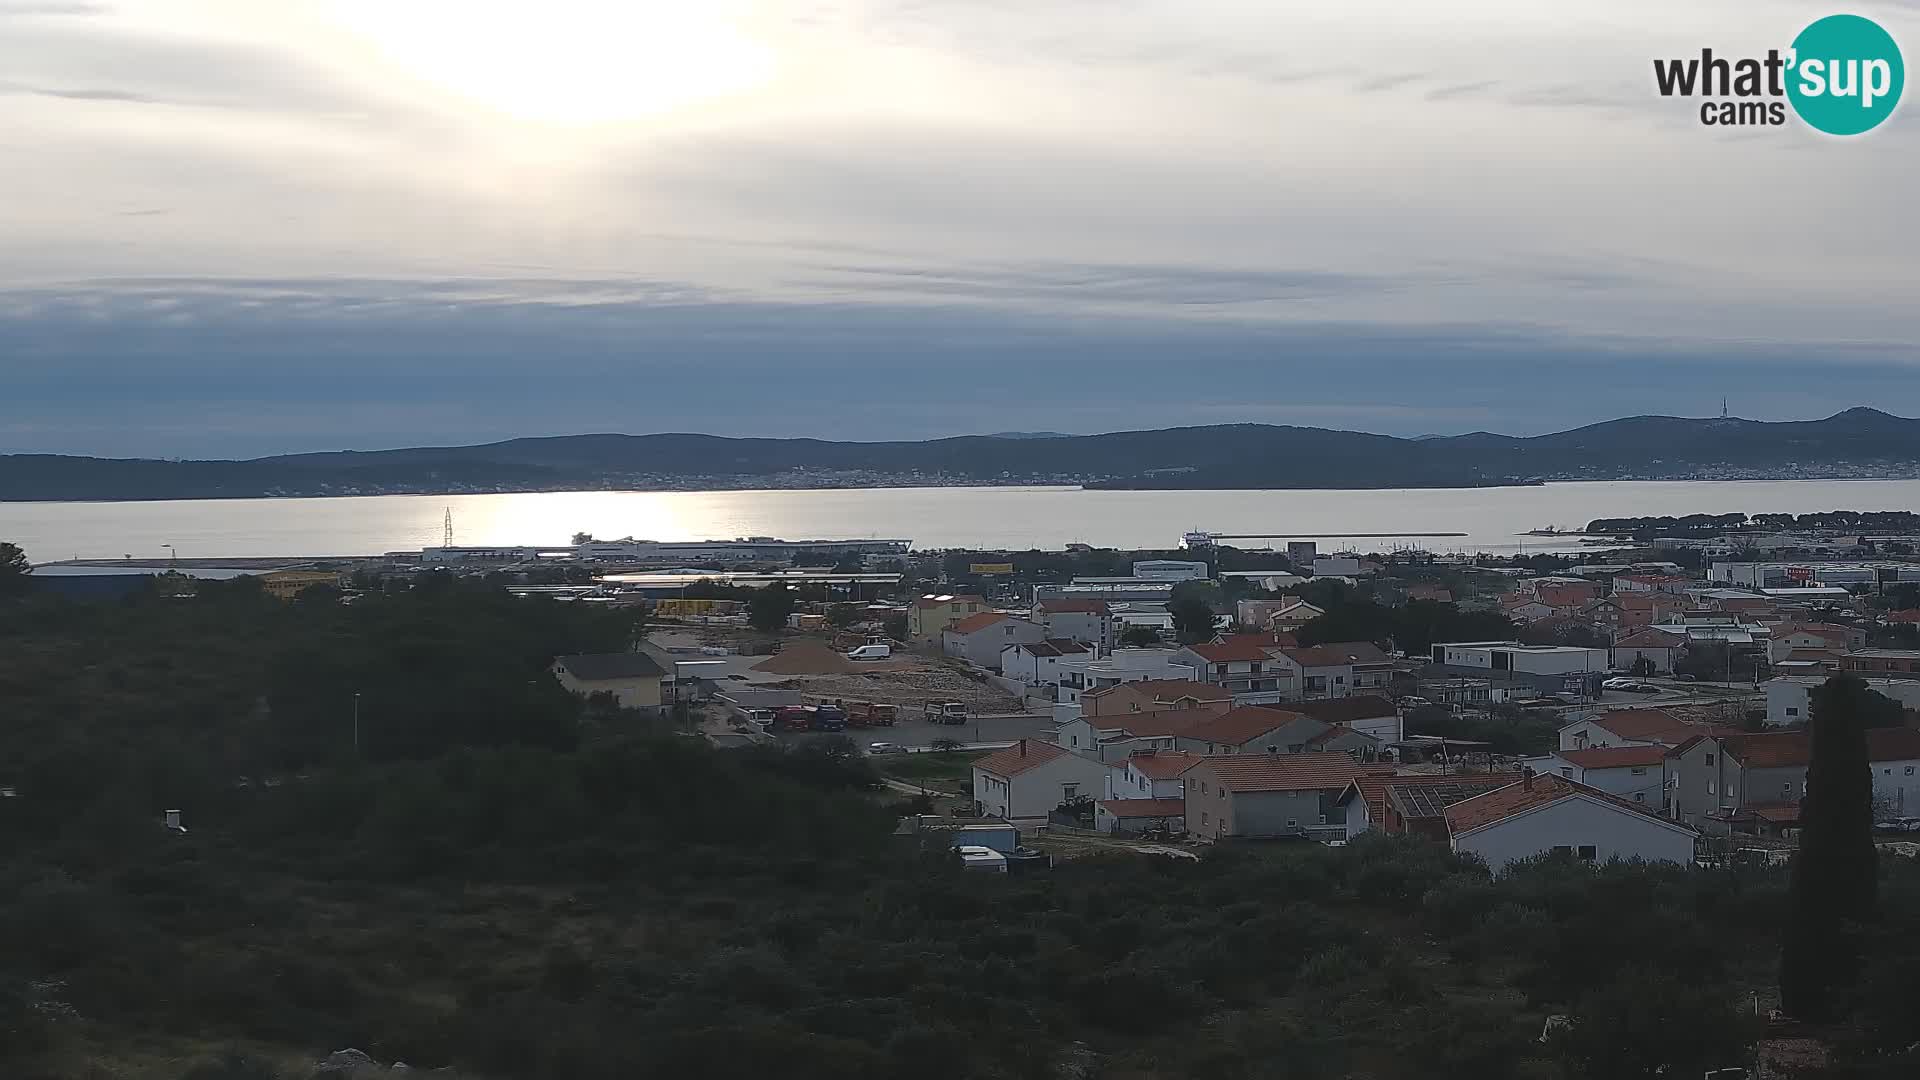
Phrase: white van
(871,652)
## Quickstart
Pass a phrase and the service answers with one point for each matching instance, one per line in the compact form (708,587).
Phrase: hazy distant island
(1858,443)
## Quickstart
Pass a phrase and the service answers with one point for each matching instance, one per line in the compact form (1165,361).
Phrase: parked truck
(947,712)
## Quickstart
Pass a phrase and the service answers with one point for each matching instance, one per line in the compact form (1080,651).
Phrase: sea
(1493,520)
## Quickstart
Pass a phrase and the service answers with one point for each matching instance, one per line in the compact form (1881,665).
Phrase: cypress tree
(1835,874)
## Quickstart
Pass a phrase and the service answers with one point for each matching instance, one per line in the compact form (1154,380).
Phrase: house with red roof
(1807,641)
(1266,796)
(979,639)
(1657,647)
(1113,739)
(1154,695)
(929,616)
(1374,715)
(1635,772)
(1151,774)
(1394,805)
(1242,665)
(1038,663)
(1544,813)
(1336,669)
(1753,782)
(1629,727)
(1027,780)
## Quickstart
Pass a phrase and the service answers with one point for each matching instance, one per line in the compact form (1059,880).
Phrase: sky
(241,227)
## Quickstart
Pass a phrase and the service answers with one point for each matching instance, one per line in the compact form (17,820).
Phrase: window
(1710,790)
(1792,711)
(1292,824)
(1562,849)
(1068,791)
(1909,770)
(1203,817)
(1639,796)
(1566,771)
(1323,819)
(1589,853)
(1709,759)
(1786,788)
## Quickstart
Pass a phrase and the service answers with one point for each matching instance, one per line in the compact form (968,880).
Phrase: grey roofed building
(602,667)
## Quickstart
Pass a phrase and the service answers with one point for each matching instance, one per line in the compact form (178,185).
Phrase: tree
(14,569)
(1192,610)
(1836,875)
(896,627)
(769,608)
(1139,637)
(1642,666)
(843,615)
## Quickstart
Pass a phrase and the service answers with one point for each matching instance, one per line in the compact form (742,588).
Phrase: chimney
(1526,777)
(1023,748)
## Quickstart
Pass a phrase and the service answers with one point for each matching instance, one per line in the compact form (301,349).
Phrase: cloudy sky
(233,227)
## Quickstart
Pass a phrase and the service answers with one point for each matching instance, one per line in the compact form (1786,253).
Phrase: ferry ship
(744,549)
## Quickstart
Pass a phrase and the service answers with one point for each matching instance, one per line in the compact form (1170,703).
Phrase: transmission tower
(446,531)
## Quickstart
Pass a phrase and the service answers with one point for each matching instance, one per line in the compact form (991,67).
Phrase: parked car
(871,652)
(880,748)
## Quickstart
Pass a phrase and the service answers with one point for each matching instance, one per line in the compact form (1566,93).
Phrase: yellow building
(929,616)
(287,584)
(632,678)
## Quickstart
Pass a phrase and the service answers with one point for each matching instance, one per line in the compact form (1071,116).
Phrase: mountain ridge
(1853,442)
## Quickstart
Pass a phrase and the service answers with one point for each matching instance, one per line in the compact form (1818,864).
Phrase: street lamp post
(356,724)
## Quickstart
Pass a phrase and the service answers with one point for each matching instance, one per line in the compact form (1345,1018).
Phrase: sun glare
(571,62)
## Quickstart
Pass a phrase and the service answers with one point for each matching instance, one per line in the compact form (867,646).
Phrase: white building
(1542,814)
(1526,659)
(1789,696)
(1635,773)
(1089,622)
(1027,780)
(1337,566)
(1170,570)
(1086,673)
(979,638)
(1038,663)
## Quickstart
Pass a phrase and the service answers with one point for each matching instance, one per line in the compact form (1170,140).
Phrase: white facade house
(1150,775)
(1789,697)
(1527,659)
(1542,814)
(1038,663)
(1637,774)
(979,638)
(1027,780)
(1171,570)
(1089,622)
(1086,673)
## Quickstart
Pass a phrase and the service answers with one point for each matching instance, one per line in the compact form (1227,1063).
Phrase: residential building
(1561,592)
(1027,780)
(1290,617)
(1430,593)
(1121,816)
(287,584)
(1338,566)
(1540,814)
(1515,657)
(1089,622)
(1754,782)
(1251,729)
(1241,664)
(1269,795)
(1171,570)
(1155,695)
(633,678)
(1114,738)
(1255,615)
(1369,714)
(1789,697)
(1151,774)
(1630,727)
(1636,773)
(929,616)
(1394,805)
(1038,663)
(1667,583)
(979,639)
(1883,663)
(1335,670)
(1526,609)
(1657,647)
(1089,673)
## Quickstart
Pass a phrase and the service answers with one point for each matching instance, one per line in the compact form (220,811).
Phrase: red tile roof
(1153,722)
(1145,808)
(973,623)
(1240,648)
(1650,638)
(1780,813)
(1543,789)
(1174,689)
(1789,749)
(1655,725)
(1236,726)
(1162,764)
(1905,615)
(1344,710)
(1054,647)
(1374,787)
(1283,772)
(1020,757)
(1615,757)
(1061,607)
(1337,654)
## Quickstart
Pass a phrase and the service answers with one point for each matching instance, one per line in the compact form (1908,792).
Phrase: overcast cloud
(236,227)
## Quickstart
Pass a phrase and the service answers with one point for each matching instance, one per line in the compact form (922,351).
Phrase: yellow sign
(991,568)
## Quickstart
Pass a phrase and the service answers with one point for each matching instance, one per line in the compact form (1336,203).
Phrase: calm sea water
(1493,519)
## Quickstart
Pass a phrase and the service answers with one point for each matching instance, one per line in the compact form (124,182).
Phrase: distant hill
(1857,442)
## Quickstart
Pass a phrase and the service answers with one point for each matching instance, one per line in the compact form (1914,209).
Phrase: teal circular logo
(1846,75)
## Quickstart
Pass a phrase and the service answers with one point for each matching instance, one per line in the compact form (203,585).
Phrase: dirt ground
(910,686)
